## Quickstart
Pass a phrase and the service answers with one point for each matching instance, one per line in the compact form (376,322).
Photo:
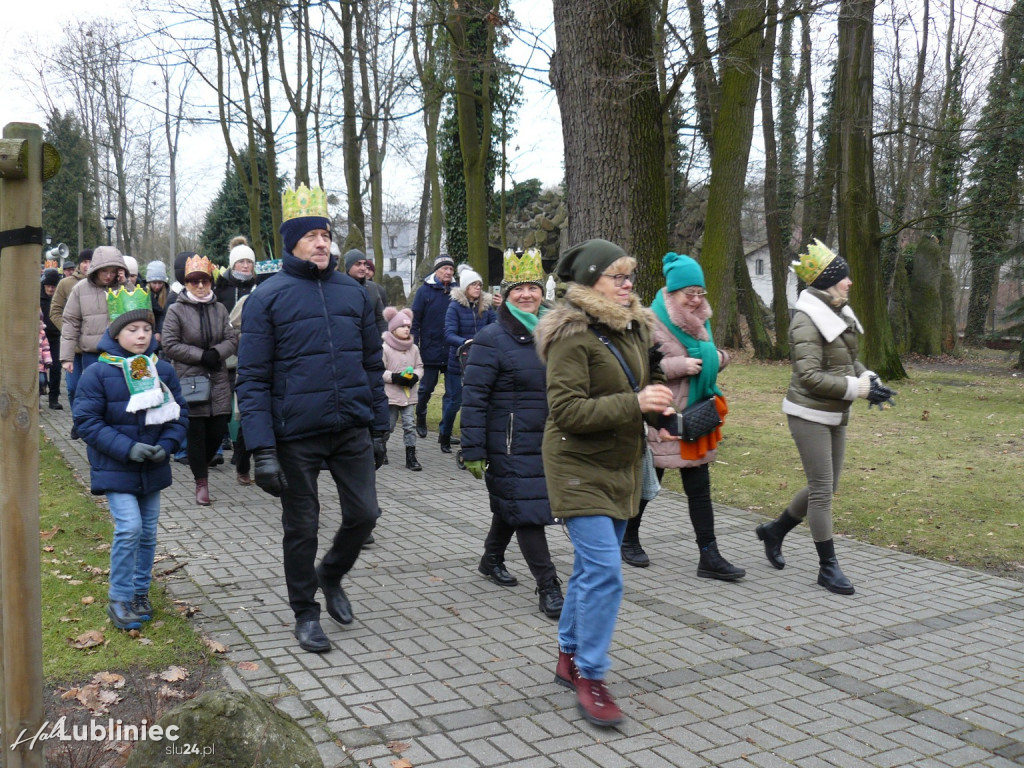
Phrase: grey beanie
(351,257)
(156,270)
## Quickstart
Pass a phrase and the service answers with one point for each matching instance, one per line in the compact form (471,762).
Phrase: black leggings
(697,485)
(204,436)
(532,541)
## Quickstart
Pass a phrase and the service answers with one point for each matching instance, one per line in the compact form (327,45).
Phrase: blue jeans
(131,555)
(593,594)
(451,402)
(427,385)
(72,379)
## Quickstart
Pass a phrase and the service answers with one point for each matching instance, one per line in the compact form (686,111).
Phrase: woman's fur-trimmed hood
(486,300)
(582,308)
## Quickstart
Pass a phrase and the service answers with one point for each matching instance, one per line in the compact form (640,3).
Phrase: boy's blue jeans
(593,594)
(134,547)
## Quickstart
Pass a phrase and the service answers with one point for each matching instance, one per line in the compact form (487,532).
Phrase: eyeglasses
(198,281)
(619,280)
(694,293)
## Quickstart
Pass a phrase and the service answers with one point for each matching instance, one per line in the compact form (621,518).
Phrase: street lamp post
(109,220)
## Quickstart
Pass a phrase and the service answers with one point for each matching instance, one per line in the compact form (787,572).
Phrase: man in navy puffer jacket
(310,391)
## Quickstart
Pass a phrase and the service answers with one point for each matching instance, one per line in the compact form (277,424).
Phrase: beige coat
(85,315)
(60,297)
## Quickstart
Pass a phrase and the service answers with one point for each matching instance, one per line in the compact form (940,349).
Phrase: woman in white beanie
(240,278)
(469,310)
(156,284)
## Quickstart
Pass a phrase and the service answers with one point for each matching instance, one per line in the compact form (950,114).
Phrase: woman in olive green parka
(594,442)
(827,378)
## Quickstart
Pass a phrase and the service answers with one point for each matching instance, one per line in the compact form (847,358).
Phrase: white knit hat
(132,264)
(240,252)
(467,277)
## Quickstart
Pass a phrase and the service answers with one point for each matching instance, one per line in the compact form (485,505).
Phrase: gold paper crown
(122,300)
(50,264)
(813,263)
(303,201)
(198,264)
(523,269)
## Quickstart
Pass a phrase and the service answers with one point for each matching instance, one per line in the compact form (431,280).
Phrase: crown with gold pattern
(522,269)
(122,301)
(814,262)
(302,202)
(50,264)
(197,263)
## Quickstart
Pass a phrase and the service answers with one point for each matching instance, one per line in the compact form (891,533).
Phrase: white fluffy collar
(825,318)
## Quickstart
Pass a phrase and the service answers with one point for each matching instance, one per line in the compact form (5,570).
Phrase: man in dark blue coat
(429,306)
(310,392)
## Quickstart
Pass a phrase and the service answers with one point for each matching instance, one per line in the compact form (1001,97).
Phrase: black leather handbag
(699,419)
(195,389)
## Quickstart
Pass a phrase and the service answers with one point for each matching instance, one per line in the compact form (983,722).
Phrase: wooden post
(21,189)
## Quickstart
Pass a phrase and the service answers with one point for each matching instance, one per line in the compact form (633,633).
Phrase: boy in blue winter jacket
(130,412)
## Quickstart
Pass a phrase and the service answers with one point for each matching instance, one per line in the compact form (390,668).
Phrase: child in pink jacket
(403,368)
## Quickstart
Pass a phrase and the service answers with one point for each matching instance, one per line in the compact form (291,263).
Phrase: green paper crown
(121,301)
(813,263)
(303,201)
(523,269)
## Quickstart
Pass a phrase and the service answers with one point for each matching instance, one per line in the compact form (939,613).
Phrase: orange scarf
(696,450)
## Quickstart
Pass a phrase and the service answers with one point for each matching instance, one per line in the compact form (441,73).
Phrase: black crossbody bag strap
(618,356)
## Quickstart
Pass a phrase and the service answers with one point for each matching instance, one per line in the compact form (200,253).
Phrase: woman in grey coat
(827,379)
(198,338)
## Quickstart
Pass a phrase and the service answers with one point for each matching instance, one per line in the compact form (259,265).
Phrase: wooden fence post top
(14,149)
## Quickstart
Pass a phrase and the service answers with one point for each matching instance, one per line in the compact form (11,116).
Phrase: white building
(760,271)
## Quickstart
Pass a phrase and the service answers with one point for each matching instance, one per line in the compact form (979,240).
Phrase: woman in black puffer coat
(504,410)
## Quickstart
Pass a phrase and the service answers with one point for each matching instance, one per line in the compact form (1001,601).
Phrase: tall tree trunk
(733,131)
(773,213)
(351,149)
(605,78)
(807,218)
(473,66)
(374,156)
(299,96)
(859,233)
(431,224)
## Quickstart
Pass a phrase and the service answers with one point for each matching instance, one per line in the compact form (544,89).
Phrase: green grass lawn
(939,475)
(75,541)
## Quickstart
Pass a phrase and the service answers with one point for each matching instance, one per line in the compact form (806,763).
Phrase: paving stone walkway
(923,667)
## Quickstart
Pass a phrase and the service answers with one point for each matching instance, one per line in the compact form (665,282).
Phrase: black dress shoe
(216,461)
(311,636)
(55,406)
(633,554)
(495,572)
(338,606)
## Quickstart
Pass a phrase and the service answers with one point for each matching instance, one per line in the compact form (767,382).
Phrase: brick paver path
(923,667)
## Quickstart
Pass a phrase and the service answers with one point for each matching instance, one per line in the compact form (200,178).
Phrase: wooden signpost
(25,161)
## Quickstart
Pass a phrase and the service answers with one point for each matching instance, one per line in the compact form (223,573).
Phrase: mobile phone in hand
(671,424)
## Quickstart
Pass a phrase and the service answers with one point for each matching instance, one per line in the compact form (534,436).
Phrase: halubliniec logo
(112,730)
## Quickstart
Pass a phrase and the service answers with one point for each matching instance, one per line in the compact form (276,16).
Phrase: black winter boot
(632,553)
(713,566)
(772,535)
(410,459)
(829,575)
(421,424)
(551,599)
(445,441)
(495,571)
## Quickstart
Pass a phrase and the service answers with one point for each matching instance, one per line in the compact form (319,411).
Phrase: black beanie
(585,262)
(85,255)
(836,270)
(179,265)
(50,277)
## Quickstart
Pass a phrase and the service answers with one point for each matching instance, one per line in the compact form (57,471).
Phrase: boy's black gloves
(269,475)
(380,448)
(880,395)
(211,359)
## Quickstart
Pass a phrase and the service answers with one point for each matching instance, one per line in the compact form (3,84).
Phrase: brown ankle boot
(203,492)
